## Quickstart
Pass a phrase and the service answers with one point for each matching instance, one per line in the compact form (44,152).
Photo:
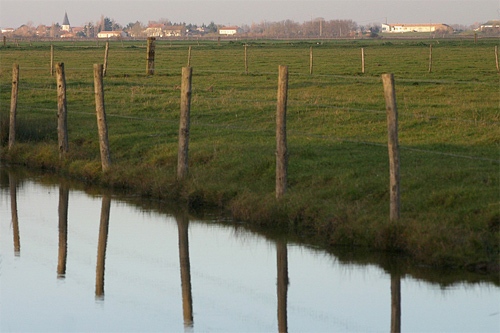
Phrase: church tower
(65,25)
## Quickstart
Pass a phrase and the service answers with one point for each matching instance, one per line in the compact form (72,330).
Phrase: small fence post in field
(430,58)
(62,119)
(362,60)
(51,60)
(496,58)
(106,52)
(183,151)
(13,105)
(475,38)
(150,67)
(393,145)
(218,41)
(246,59)
(189,57)
(101,117)
(281,145)
(4,41)
(311,60)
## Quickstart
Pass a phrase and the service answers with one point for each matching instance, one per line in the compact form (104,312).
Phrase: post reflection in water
(101,249)
(187,300)
(395,303)
(15,221)
(282,261)
(63,230)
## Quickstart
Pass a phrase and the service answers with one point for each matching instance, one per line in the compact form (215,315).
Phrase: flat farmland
(338,176)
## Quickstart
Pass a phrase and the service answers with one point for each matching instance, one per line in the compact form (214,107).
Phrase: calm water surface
(74,261)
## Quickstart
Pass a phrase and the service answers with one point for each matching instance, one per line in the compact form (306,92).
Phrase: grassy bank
(338,165)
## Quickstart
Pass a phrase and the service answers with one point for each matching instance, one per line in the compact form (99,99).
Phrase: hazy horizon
(14,13)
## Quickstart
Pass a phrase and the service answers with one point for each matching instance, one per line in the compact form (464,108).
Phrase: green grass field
(338,194)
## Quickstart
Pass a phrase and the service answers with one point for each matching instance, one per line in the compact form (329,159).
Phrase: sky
(14,13)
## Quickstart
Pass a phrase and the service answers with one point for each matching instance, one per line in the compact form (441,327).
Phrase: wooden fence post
(496,58)
(4,41)
(393,145)
(311,60)
(362,60)
(189,57)
(150,67)
(101,117)
(62,119)
(430,58)
(51,60)
(106,52)
(13,105)
(246,59)
(183,151)
(281,144)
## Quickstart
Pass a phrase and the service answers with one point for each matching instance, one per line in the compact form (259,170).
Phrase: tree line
(317,27)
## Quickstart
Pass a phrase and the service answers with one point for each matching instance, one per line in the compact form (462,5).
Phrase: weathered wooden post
(62,119)
(51,60)
(475,38)
(362,60)
(150,67)
(281,144)
(183,151)
(393,145)
(106,52)
(101,117)
(218,41)
(246,59)
(4,41)
(430,58)
(13,105)
(189,57)
(63,230)
(311,60)
(101,247)
(496,58)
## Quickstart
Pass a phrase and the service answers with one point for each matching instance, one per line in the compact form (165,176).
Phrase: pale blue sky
(14,13)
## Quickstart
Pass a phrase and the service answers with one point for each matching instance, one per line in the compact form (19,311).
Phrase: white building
(229,31)
(111,34)
(490,25)
(424,27)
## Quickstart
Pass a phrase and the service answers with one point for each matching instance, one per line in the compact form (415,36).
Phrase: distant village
(107,28)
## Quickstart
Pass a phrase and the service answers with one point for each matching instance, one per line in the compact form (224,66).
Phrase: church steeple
(66,25)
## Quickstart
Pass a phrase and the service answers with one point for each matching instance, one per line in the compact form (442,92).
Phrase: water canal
(79,259)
